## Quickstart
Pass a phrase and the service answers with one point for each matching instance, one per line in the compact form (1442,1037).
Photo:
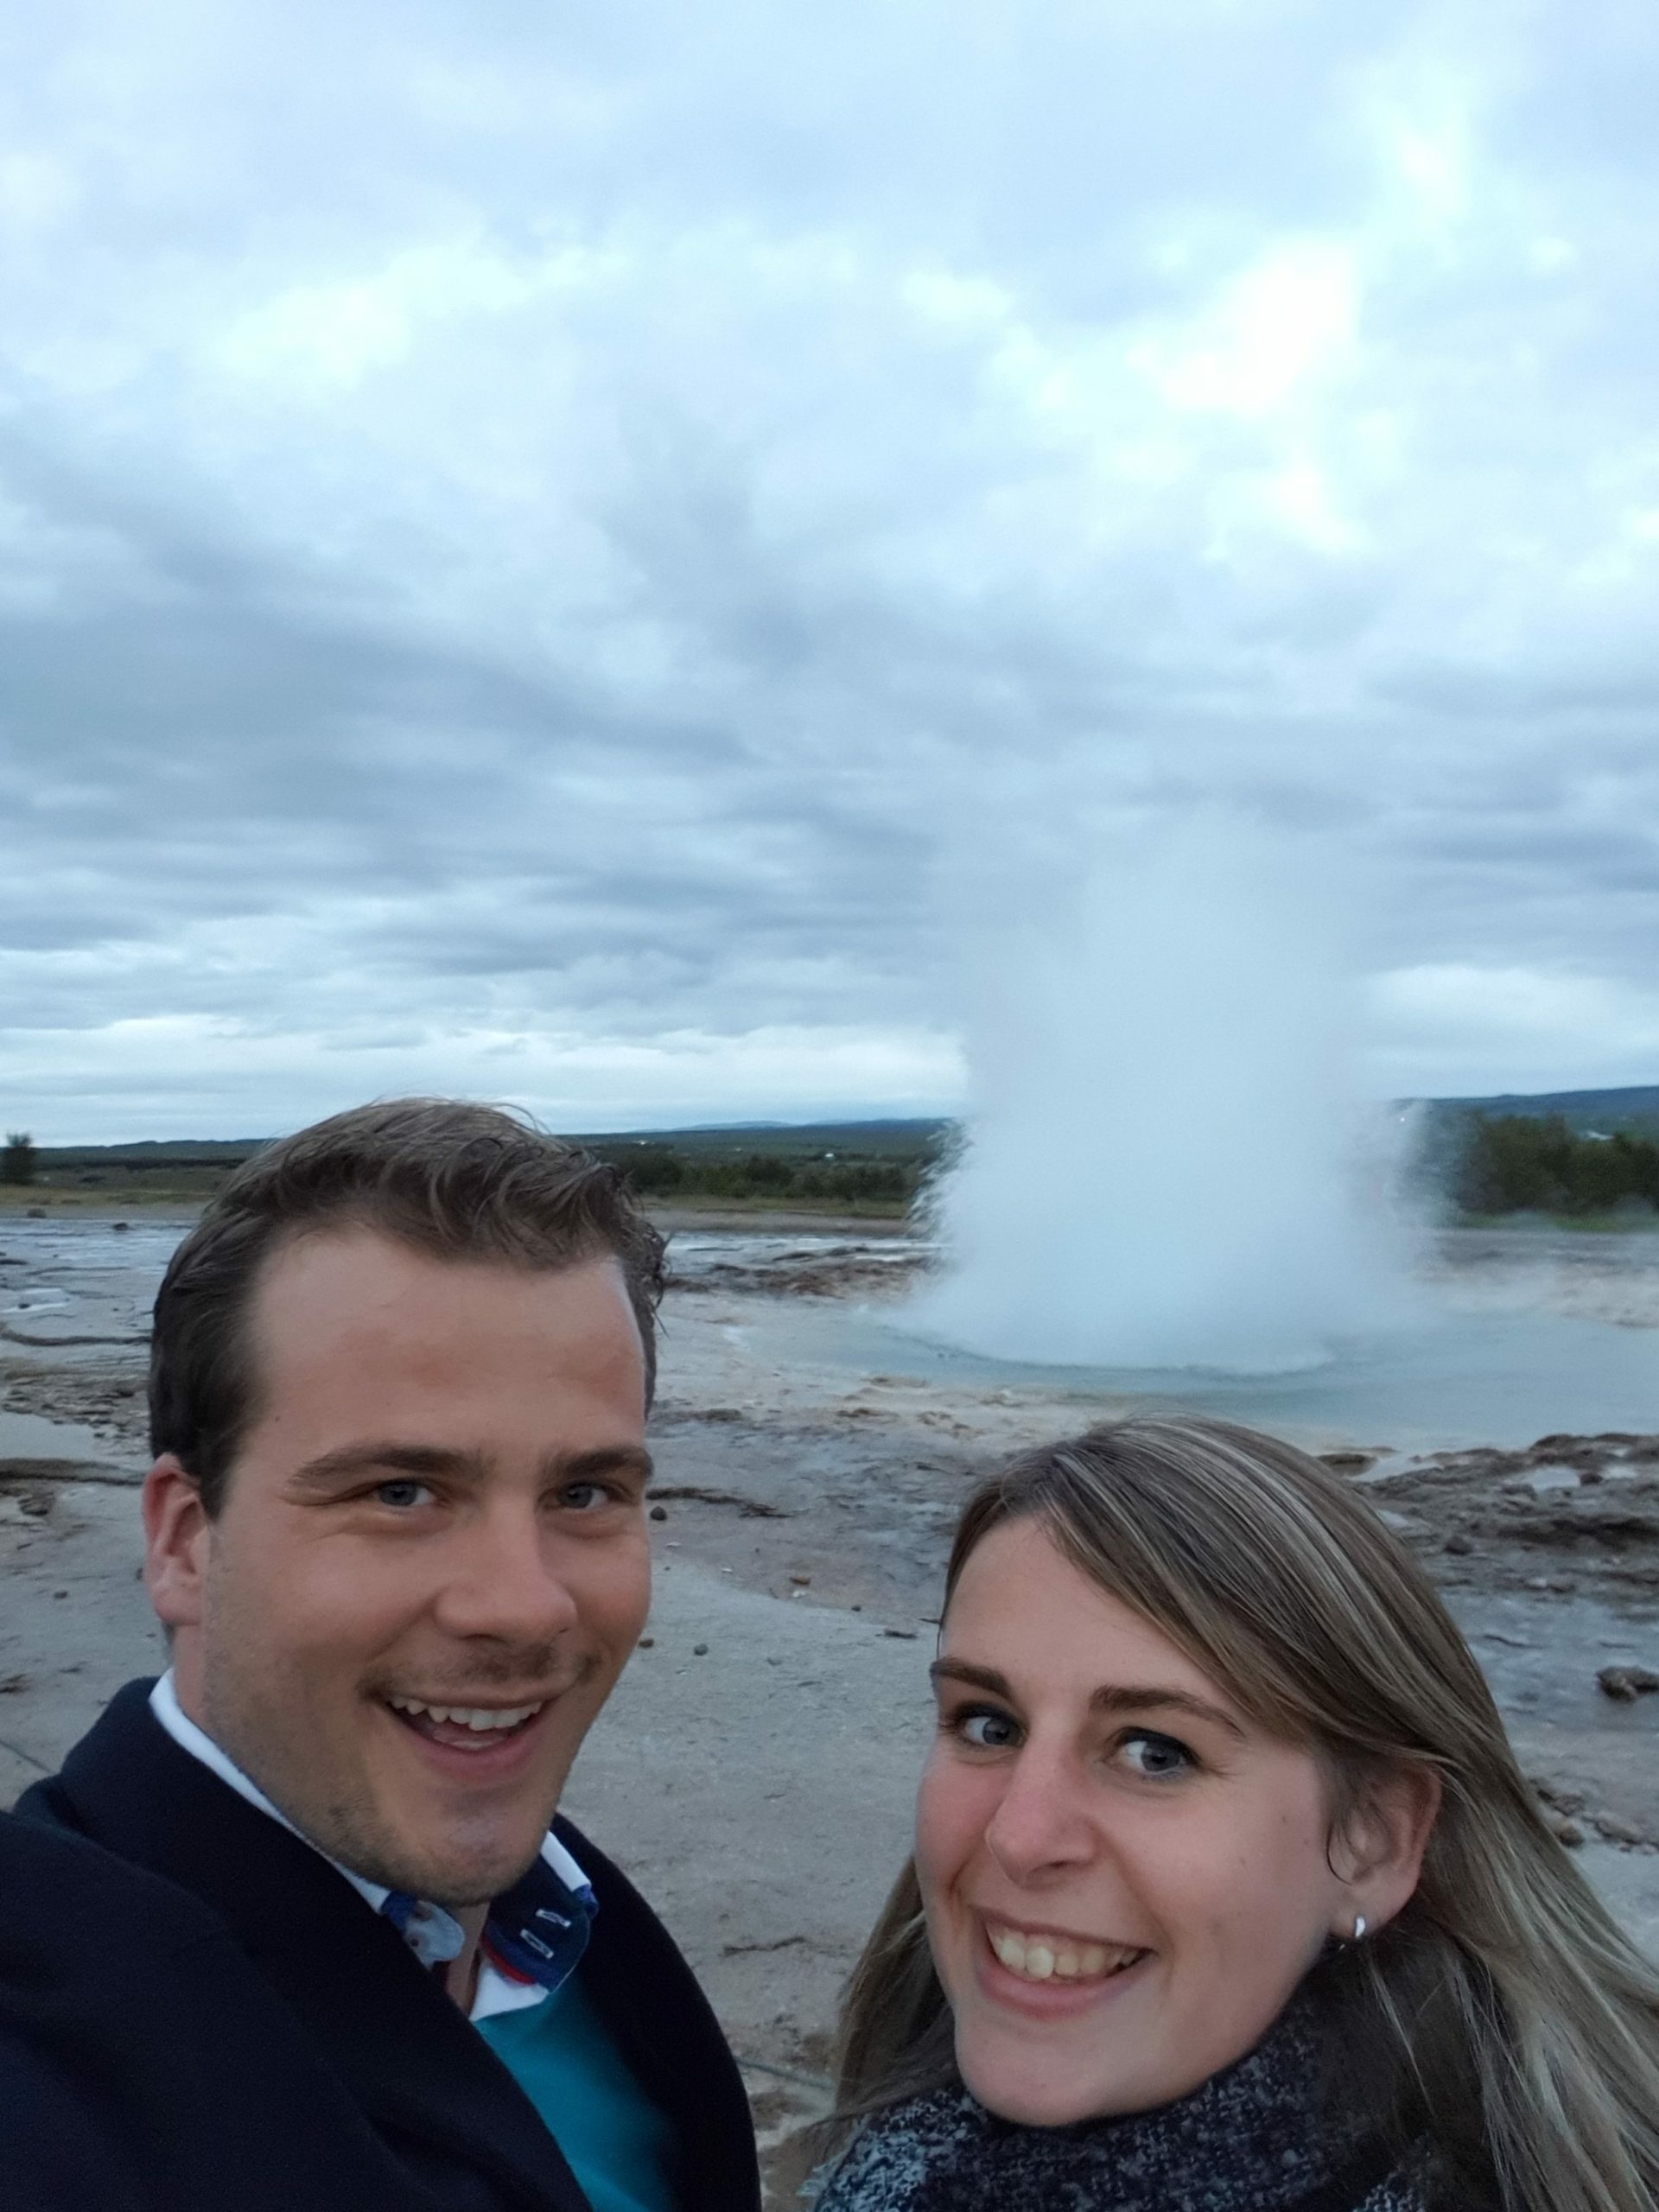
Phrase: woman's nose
(1042,1820)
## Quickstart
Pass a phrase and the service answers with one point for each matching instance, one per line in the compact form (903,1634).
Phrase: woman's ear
(1376,1850)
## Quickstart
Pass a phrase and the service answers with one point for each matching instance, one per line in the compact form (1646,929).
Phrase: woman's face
(1125,1878)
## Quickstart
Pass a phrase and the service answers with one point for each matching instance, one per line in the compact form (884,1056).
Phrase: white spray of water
(1167,1165)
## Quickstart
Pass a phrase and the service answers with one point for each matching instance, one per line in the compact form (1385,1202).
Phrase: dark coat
(197,2014)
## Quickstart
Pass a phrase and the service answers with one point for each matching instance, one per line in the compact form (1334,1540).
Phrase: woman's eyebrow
(1130,1697)
(978,1678)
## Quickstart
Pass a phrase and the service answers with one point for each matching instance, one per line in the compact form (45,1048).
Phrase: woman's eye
(402,1492)
(1154,1756)
(985,1731)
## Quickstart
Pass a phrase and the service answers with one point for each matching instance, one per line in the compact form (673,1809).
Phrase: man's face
(438,1510)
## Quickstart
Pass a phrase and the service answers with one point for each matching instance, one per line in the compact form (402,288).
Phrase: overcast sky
(566,553)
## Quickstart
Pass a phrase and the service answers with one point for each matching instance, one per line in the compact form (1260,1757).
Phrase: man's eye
(402,1492)
(585,1497)
(1154,1756)
(985,1729)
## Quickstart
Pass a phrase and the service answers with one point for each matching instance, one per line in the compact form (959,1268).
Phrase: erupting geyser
(1167,1164)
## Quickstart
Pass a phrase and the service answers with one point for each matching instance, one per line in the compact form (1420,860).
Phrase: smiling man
(396,1528)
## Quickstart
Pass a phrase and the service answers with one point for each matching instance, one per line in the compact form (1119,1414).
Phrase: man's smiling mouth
(465,1727)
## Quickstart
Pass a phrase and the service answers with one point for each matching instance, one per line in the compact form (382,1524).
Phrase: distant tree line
(1513,1163)
(20,1158)
(658,1171)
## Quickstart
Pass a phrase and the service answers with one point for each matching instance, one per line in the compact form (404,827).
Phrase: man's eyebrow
(603,1459)
(1117,1698)
(329,1469)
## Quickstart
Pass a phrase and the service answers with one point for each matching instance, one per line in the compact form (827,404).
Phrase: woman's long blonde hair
(1501,2018)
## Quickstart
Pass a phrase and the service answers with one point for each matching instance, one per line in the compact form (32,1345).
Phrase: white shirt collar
(495,1992)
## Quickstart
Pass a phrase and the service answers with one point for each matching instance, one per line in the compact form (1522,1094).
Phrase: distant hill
(895,1139)
(1635,1108)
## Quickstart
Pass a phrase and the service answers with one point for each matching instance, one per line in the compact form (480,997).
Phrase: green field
(870,1170)
(1589,1156)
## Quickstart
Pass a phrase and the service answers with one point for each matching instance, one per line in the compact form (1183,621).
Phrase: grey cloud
(597,526)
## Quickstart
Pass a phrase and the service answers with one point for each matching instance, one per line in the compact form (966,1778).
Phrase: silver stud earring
(1359,1928)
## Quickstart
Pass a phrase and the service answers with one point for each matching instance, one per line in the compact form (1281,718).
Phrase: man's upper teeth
(1041,1957)
(469,1716)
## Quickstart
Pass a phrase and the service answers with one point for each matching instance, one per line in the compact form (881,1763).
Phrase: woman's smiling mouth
(1041,1956)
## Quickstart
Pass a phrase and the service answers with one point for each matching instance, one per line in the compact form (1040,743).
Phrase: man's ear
(176,1530)
(1378,1851)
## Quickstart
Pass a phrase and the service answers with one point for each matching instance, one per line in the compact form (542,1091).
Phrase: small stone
(802,1581)
(121,1225)
(1626,1683)
(699,1651)
(908,1634)
(1459,1545)
(646,1643)
(659,1513)
(1569,1832)
(64,1593)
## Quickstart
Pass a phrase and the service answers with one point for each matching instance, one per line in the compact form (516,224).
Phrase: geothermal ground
(755,1769)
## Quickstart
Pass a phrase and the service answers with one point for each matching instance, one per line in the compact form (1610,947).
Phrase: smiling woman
(1227,1889)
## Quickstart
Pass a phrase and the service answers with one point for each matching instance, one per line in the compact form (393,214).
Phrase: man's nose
(1043,1820)
(505,1579)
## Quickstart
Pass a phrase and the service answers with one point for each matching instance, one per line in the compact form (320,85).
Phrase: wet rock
(1620,1527)
(1618,1830)
(1459,1545)
(1560,1800)
(699,1651)
(1403,1524)
(1625,1684)
(752,1509)
(1569,1832)
(659,1513)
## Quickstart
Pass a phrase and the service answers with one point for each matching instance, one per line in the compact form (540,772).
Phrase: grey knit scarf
(1257,2138)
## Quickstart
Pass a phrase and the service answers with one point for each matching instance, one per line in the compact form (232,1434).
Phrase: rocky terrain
(756,1766)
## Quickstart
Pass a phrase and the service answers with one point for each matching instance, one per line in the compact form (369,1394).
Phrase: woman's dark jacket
(1262,2137)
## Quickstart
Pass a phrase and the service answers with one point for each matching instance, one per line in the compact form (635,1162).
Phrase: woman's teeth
(1045,1958)
(476,1717)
